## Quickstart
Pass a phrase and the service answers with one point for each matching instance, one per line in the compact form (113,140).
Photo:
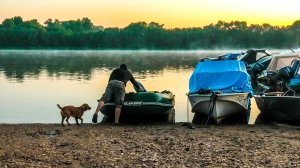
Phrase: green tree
(83,34)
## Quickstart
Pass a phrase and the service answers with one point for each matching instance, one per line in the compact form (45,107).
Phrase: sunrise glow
(171,13)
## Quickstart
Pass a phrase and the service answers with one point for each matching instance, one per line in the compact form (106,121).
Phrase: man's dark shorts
(114,92)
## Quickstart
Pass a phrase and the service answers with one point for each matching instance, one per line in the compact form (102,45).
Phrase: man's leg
(119,95)
(105,98)
(99,107)
(117,114)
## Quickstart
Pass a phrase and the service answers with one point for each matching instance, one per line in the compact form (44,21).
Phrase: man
(115,91)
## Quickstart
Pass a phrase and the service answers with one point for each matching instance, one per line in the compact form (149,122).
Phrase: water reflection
(17,64)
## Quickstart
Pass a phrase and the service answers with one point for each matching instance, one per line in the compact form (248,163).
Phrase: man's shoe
(95,118)
(117,124)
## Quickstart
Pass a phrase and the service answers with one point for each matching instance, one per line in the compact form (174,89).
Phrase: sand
(50,145)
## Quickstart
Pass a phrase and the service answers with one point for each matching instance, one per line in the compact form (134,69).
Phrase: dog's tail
(59,106)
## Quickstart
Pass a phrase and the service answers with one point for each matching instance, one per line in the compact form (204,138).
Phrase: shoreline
(151,145)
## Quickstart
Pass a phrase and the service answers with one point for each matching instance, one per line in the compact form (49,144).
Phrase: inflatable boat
(144,106)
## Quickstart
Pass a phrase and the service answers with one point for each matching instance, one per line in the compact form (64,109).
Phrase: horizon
(172,14)
(141,21)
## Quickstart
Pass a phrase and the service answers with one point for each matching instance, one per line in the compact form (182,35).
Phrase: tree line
(83,34)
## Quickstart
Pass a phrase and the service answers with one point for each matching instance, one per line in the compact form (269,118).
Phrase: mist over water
(19,63)
(34,81)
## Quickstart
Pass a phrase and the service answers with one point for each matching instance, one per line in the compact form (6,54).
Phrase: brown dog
(76,112)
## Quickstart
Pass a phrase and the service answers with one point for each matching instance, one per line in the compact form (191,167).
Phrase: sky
(171,13)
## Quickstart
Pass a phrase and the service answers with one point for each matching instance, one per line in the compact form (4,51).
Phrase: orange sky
(171,13)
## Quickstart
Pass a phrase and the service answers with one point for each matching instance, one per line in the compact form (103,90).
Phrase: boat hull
(226,105)
(143,106)
(284,109)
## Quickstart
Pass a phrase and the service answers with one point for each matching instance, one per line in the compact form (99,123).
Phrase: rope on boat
(213,99)
(187,109)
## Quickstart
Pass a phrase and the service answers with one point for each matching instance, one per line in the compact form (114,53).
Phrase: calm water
(33,82)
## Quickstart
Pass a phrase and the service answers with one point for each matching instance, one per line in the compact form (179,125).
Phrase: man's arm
(136,85)
(134,82)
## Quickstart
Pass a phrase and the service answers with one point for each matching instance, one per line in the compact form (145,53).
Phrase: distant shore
(44,145)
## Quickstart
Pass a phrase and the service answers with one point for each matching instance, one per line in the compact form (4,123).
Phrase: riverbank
(45,145)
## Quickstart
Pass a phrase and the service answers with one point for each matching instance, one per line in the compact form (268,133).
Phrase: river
(34,81)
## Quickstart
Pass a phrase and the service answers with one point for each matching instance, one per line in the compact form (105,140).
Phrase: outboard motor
(277,81)
(284,73)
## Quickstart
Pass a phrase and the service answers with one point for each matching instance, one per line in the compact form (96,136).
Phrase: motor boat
(220,90)
(279,94)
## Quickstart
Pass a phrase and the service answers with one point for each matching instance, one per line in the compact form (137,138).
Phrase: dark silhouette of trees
(83,34)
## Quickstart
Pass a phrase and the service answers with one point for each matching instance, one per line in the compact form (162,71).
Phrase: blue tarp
(224,76)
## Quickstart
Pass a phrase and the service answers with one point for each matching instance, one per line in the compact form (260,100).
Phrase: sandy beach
(50,145)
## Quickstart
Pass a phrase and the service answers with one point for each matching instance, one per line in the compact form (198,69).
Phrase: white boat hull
(226,105)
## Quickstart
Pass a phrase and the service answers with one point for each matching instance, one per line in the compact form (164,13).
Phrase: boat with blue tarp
(220,90)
